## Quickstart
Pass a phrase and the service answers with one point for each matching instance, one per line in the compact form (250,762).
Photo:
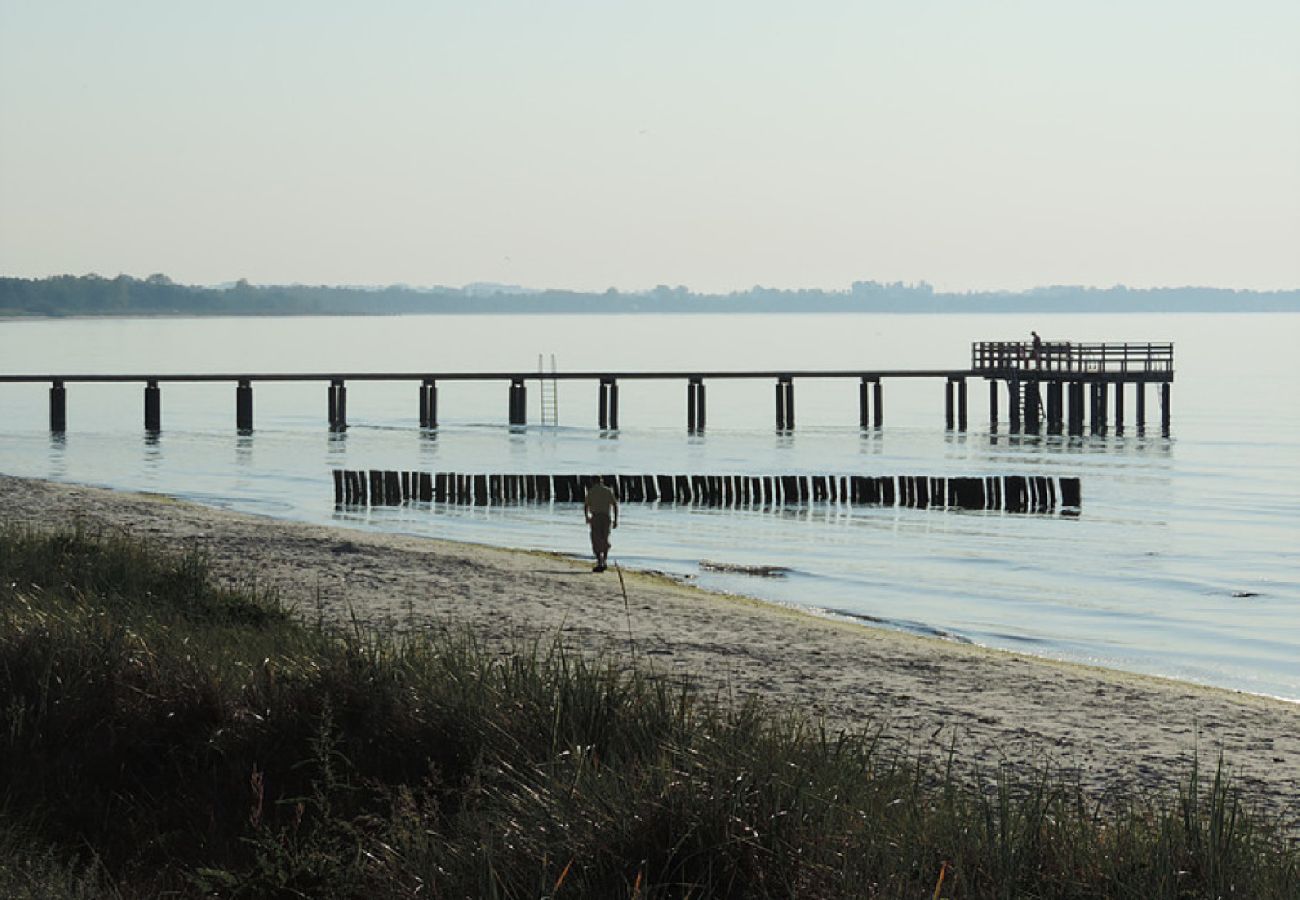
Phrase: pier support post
(608,404)
(864,404)
(1164,408)
(58,408)
(1119,407)
(1033,406)
(947,405)
(961,404)
(877,404)
(1141,389)
(244,406)
(1076,407)
(518,402)
(695,405)
(784,404)
(152,407)
(1055,406)
(1013,402)
(993,404)
(428,403)
(1096,389)
(338,406)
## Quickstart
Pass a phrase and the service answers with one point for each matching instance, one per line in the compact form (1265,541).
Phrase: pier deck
(1065,369)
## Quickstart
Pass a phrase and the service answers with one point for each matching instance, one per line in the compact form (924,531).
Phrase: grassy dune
(162,734)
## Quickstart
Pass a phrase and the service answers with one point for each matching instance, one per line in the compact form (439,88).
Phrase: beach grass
(165,734)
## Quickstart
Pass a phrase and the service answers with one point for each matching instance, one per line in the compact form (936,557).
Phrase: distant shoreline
(68,296)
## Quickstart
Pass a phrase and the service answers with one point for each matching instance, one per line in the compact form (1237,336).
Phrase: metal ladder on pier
(549,393)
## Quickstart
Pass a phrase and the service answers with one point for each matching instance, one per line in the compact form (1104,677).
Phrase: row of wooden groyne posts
(1064,387)
(1012,493)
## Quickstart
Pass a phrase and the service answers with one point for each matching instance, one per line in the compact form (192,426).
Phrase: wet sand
(1117,732)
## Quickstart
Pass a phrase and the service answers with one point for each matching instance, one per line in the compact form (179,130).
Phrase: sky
(717,145)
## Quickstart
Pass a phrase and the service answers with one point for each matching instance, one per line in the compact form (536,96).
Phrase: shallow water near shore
(1185,561)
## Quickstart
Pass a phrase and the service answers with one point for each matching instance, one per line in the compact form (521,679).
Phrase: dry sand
(1119,732)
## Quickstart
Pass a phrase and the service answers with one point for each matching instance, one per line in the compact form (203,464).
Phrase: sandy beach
(1119,732)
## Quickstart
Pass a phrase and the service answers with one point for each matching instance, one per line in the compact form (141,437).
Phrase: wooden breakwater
(1011,493)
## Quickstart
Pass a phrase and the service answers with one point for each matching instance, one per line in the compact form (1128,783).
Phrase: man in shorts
(601,511)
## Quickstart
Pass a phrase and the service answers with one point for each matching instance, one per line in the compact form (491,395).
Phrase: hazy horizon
(1000,146)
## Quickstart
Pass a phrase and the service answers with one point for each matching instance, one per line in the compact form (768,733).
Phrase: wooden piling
(993,404)
(518,402)
(1164,408)
(1033,406)
(338,405)
(948,418)
(428,403)
(1013,404)
(1119,407)
(864,404)
(1141,388)
(1071,493)
(695,413)
(480,490)
(58,408)
(877,404)
(244,406)
(426,487)
(152,407)
(1098,403)
(338,487)
(962,408)
(392,488)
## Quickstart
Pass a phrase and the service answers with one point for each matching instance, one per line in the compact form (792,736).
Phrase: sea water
(1184,561)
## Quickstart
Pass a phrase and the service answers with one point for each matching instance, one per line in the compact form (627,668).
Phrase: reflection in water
(244,449)
(58,455)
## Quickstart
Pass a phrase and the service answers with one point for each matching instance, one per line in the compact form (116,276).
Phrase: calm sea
(1185,561)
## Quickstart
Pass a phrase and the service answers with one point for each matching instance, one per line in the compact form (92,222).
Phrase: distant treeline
(94,295)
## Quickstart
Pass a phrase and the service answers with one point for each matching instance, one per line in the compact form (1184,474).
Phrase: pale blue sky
(713,144)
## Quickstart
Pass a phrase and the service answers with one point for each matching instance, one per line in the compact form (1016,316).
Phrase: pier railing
(1063,358)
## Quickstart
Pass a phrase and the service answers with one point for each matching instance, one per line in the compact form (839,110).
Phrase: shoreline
(1115,731)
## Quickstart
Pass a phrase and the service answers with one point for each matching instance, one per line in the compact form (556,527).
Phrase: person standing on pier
(1036,350)
(600,508)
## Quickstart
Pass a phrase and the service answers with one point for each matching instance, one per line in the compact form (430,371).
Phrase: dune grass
(163,734)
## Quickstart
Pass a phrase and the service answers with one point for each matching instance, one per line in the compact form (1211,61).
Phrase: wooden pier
(1046,387)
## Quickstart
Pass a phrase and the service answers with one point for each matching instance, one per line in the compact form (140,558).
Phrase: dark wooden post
(244,406)
(152,407)
(1076,407)
(864,404)
(58,408)
(695,405)
(1098,417)
(1141,404)
(338,405)
(690,406)
(993,404)
(602,412)
(784,403)
(947,405)
(1164,408)
(1119,407)
(1013,403)
(613,405)
(961,404)
(429,403)
(877,404)
(518,402)
(1055,405)
(1033,406)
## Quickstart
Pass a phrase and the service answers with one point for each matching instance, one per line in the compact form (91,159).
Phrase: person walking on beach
(600,508)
